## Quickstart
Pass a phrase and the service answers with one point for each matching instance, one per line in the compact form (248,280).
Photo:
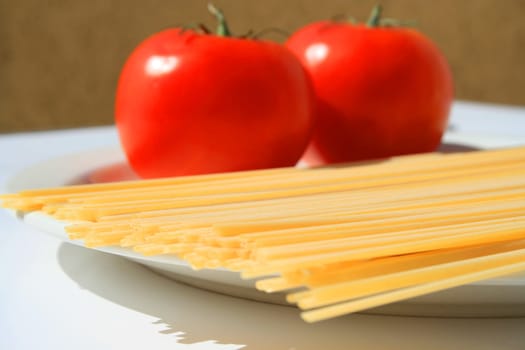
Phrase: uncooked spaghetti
(352,237)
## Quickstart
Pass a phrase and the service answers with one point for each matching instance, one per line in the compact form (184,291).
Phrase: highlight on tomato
(192,102)
(381,89)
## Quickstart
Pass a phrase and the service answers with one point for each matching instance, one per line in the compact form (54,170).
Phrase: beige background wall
(59,60)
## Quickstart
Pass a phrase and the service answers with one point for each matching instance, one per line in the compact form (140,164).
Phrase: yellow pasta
(351,236)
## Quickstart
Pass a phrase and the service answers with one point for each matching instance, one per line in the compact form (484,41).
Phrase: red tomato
(191,103)
(381,91)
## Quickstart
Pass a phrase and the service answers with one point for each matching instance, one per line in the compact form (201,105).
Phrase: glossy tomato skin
(380,91)
(189,103)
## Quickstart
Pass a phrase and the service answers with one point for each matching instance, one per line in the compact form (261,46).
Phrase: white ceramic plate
(497,297)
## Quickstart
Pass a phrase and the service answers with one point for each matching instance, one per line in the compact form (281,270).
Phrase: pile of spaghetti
(349,237)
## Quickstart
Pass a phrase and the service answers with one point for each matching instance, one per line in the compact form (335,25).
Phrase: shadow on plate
(455,147)
(201,316)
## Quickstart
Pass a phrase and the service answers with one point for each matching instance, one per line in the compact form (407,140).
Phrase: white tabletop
(54,295)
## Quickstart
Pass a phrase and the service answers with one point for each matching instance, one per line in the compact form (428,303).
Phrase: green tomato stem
(222,25)
(375,17)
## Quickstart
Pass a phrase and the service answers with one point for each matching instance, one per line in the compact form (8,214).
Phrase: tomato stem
(375,17)
(222,25)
